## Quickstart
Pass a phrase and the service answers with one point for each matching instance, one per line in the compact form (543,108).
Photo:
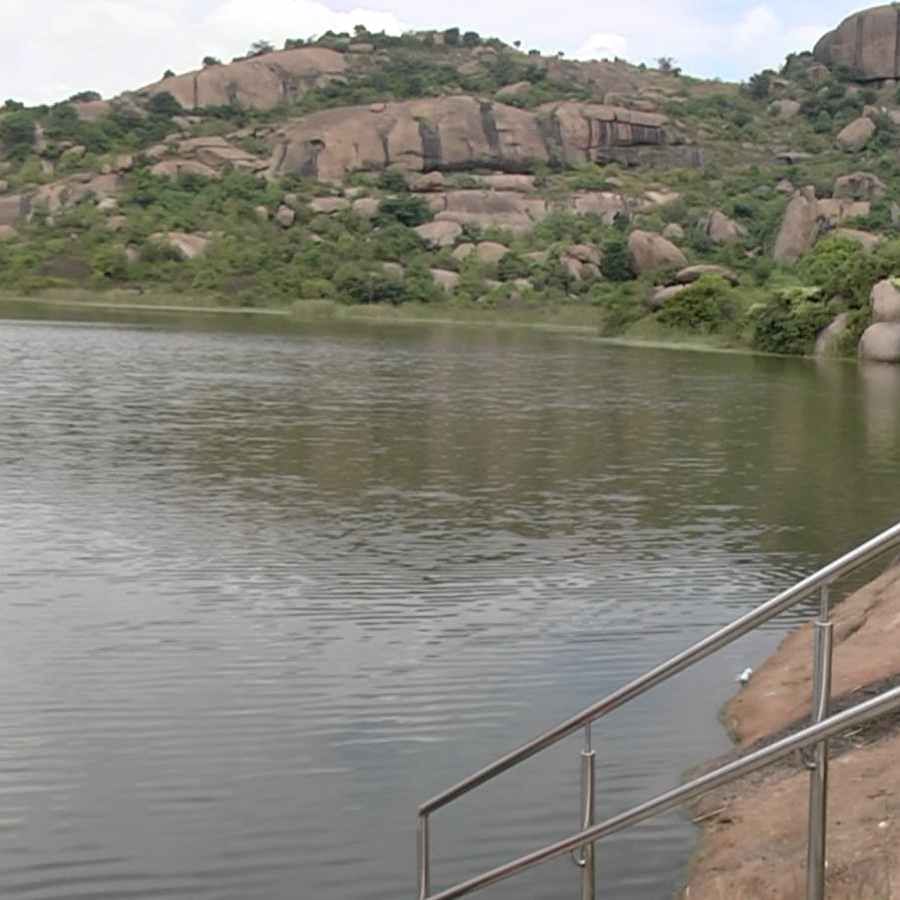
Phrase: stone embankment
(755,831)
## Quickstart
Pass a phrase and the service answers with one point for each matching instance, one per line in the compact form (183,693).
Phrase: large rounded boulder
(866,43)
(881,343)
(652,252)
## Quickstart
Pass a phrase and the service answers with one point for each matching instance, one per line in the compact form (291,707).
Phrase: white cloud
(52,49)
(115,45)
(603,45)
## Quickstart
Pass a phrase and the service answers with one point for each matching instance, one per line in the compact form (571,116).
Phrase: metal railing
(817,735)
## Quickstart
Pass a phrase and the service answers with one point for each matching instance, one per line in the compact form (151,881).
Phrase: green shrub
(164,104)
(407,209)
(705,307)
(616,263)
(790,321)
(17,134)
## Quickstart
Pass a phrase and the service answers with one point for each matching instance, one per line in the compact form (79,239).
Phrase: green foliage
(211,61)
(168,74)
(758,86)
(261,48)
(85,97)
(841,268)
(164,104)
(705,307)
(616,264)
(471,39)
(789,321)
(512,266)
(17,134)
(393,180)
(407,209)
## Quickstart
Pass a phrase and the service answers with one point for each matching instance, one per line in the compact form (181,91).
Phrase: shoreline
(535,320)
(753,832)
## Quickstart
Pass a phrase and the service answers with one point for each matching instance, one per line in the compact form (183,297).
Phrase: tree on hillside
(211,61)
(85,97)
(261,48)
(759,85)
(164,104)
(471,39)
(17,134)
(13,106)
(168,74)
(451,37)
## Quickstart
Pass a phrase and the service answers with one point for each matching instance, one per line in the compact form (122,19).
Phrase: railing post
(588,812)
(818,785)
(424,854)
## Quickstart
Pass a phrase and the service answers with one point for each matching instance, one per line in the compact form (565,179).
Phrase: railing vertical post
(818,785)
(588,813)
(424,853)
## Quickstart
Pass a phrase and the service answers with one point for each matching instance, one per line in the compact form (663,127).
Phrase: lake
(264,588)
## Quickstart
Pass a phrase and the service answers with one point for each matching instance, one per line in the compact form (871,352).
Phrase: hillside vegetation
(443,168)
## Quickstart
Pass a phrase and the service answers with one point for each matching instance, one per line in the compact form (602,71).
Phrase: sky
(52,49)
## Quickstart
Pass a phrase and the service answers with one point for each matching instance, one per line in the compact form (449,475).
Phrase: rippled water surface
(263,591)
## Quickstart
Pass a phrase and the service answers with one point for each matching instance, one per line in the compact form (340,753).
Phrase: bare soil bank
(754,832)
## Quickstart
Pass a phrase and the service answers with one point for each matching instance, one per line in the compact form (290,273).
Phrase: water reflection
(263,589)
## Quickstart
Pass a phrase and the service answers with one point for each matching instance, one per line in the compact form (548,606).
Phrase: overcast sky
(53,48)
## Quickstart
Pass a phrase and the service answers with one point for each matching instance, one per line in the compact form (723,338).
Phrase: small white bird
(745,676)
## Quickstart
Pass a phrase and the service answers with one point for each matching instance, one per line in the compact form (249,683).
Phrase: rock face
(856,135)
(722,230)
(445,279)
(866,42)
(259,83)
(828,337)
(859,186)
(785,109)
(881,342)
(661,294)
(439,234)
(461,133)
(516,212)
(885,302)
(188,245)
(695,273)
(650,252)
(799,228)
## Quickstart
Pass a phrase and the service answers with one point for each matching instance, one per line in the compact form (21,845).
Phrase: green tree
(407,209)
(211,61)
(164,104)
(168,74)
(85,97)
(471,39)
(17,134)
(759,85)
(260,48)
(616,263)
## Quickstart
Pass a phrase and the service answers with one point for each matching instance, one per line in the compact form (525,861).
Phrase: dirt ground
(754,832)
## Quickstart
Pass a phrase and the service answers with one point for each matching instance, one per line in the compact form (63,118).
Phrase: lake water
(263,589)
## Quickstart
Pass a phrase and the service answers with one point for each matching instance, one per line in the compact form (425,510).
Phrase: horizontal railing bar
(711,644)
(809,736)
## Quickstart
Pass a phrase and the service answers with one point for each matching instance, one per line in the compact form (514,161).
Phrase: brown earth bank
(755,831)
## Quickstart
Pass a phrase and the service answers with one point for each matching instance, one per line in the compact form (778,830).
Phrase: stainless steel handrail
(820,580)
(808,737)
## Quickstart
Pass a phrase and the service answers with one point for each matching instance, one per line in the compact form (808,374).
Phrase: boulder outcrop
(829,336)
(881,343)
(502,209)
(859,186)
(651,252)
(262,82)
(856,135)
(189,246)
(867,43)
(798,228)
(695,273)
(722,230)
(885,299)
(462,133)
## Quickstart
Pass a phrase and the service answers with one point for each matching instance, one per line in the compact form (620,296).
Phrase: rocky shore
(753,843)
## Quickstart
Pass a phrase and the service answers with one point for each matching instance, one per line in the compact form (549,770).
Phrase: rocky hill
(445,168)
